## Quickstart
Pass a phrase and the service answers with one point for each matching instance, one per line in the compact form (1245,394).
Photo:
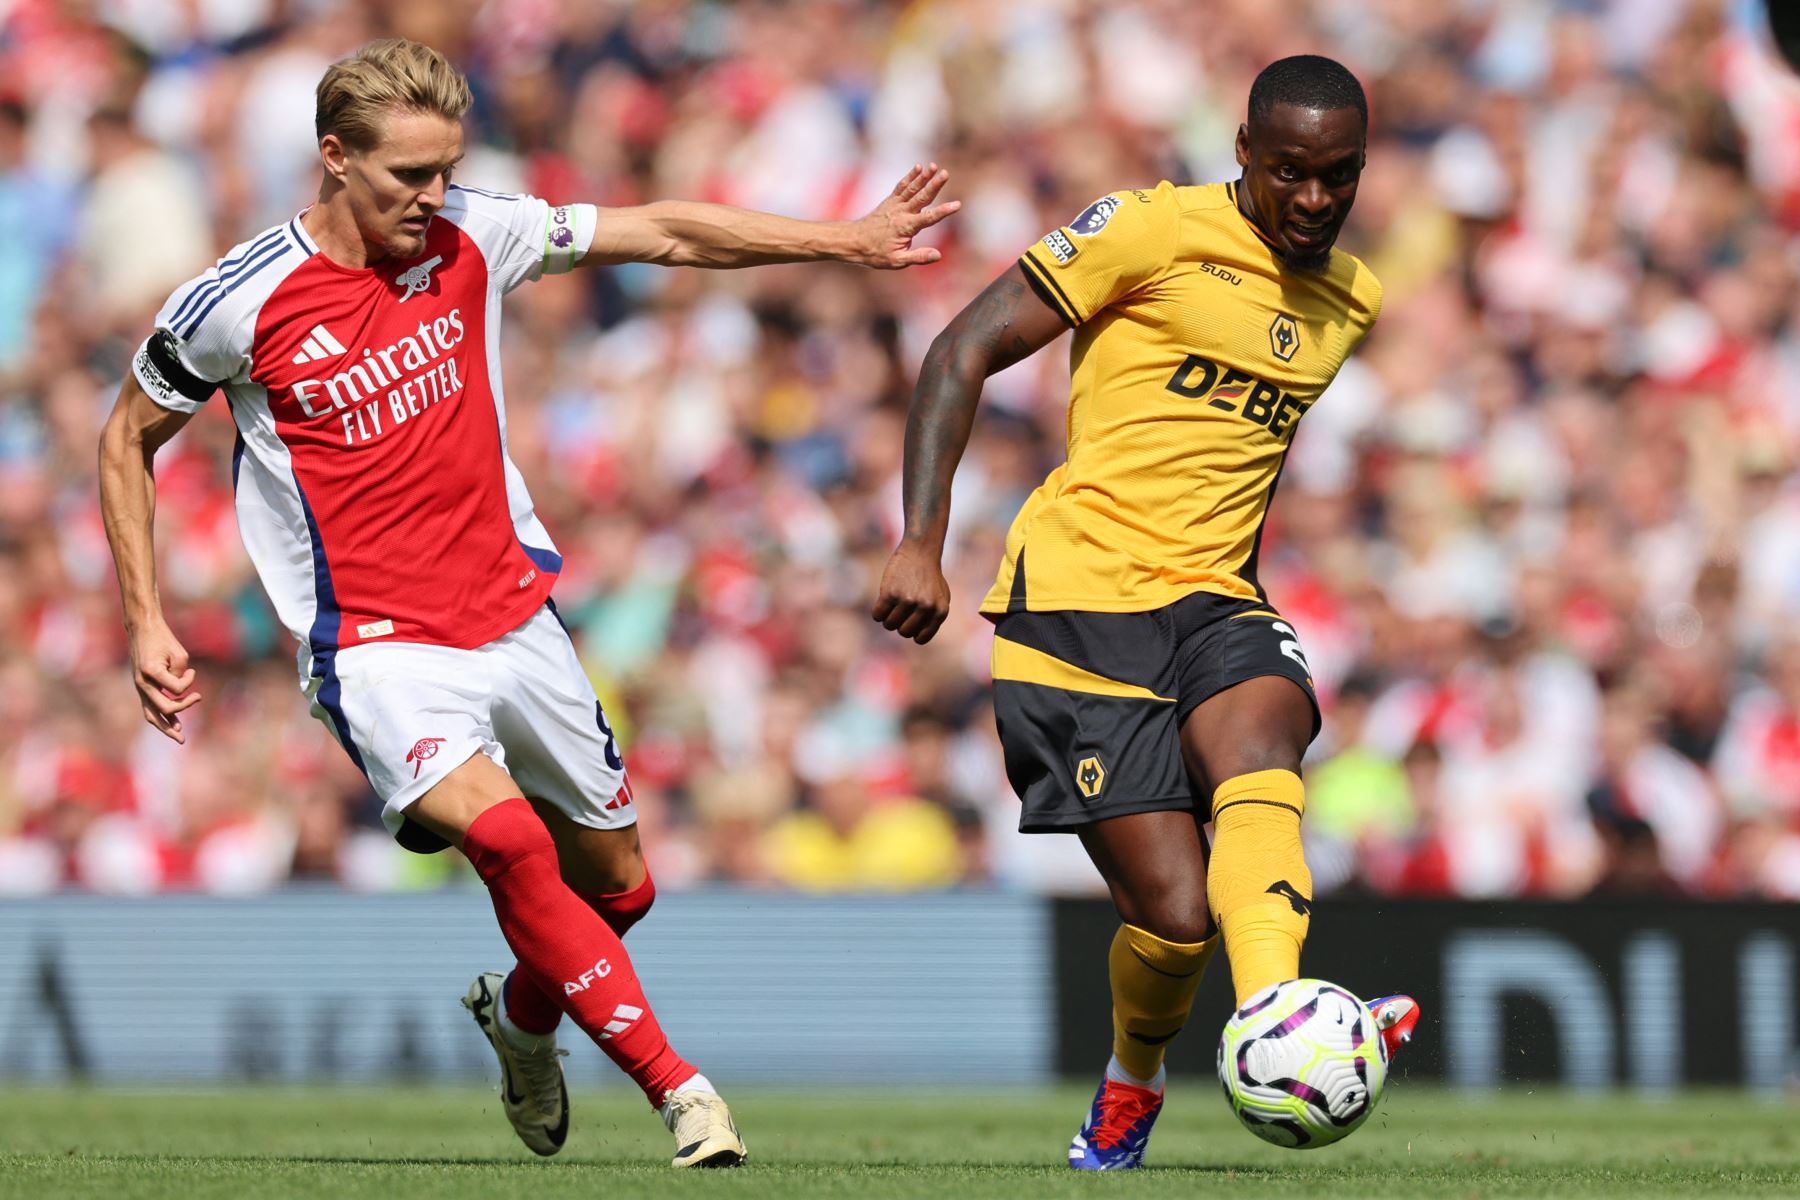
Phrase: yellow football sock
(1153,985)
(1257,881)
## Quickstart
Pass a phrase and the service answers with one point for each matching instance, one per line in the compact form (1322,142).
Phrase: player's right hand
(914,597)
(884,238)
(159,667)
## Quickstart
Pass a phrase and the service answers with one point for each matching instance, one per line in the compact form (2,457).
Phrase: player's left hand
(884,238)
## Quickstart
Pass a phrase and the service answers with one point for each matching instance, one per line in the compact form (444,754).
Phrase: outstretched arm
(1004,324)
(134,432)
(686,233)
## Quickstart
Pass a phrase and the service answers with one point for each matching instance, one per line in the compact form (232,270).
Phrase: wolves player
(358,348)
(1143,683)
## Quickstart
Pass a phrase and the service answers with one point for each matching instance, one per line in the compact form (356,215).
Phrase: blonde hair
(393,73)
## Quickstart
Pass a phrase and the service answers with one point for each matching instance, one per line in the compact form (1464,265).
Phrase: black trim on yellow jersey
(1048,290)
(1231,190)
(1015,602)
(1248,572)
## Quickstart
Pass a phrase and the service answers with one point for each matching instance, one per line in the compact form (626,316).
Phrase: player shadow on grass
(656,1165)
(1058,1170)
(822,1166)
(376,1160)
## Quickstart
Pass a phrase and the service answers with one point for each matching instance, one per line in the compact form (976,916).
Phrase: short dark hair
(1306,81)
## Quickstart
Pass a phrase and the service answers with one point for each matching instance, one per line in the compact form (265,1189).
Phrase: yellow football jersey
(1195,356)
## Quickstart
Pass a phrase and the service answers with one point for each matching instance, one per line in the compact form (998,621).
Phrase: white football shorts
(409,714)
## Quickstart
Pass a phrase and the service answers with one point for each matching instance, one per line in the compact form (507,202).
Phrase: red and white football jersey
(374,491)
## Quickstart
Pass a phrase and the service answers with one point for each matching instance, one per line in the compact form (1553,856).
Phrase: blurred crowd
(1541,539)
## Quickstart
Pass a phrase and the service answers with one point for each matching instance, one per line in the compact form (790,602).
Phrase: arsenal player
(357,348)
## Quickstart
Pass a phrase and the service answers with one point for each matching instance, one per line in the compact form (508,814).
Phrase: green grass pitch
(448,1144)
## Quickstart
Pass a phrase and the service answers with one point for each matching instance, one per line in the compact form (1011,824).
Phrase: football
(1302,1064)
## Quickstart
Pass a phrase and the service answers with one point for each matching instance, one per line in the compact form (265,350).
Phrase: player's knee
(1249,750)
(605,869)
(1183,918)
(505,837)
(625,908)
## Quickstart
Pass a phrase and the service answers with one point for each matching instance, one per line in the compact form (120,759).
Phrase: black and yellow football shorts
(1090,705)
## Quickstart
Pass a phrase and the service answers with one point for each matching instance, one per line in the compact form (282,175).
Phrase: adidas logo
(318,344)
(623,1016)
(621,798)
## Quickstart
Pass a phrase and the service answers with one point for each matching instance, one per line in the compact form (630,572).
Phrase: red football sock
(563,942)
(531,1006)
(622,910)
(528,1004)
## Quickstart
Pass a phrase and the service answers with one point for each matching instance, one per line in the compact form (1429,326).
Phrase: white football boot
(704,1133)
(531,1079)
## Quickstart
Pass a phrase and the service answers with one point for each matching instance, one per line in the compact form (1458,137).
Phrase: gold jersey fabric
(1195,356)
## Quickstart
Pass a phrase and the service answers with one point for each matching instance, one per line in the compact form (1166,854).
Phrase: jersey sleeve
(1120,243)
(522,237)
(198,344)
(1365,295)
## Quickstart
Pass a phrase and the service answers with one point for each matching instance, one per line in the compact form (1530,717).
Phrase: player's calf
(1258,882)
(533,1008)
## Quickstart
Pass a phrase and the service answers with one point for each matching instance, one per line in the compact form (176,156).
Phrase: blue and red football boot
(1395,1018)
(1117,1127)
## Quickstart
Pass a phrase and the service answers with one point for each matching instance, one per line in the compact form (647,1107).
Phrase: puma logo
(1285,890)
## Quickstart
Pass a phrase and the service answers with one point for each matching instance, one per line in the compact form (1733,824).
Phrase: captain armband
(166,379)
(568,232)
